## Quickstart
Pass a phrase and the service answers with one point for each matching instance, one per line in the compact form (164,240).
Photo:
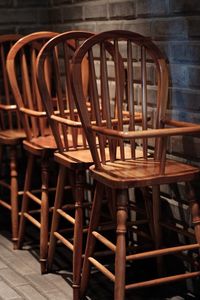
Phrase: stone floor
(20,278)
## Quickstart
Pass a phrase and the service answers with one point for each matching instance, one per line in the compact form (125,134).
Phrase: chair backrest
(61,109)
(9,117)
(21,68)
(128,74)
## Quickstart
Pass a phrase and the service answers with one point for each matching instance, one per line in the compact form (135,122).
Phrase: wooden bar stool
(11,136)
(39,143)
(73,153)
(118,60)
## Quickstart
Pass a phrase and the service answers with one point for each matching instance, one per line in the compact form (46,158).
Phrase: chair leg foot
(43,265)
(15,243)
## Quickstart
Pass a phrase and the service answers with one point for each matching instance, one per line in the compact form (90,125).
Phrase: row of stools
(75,100)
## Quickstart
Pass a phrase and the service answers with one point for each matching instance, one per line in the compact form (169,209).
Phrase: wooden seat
(39,143)
(128,69)
(11,136)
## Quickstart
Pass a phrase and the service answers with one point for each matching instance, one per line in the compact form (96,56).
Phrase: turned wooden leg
(56,215)
(156,225)
(120,257)
(78,189)
(90,244)
(25,200)
(195,210)
(14,195)
(148,208)
(44,216)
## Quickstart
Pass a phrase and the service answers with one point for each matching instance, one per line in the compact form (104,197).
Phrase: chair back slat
(96,104)
(36,93)
(27,90)
(144,97)
(106,109)
(21,67)
(69,93)
(59,94)
(119,72)
(9,118)
(134,80)
(130,94)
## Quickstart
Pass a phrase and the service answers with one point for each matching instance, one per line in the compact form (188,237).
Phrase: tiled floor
(20,279)
(20,276)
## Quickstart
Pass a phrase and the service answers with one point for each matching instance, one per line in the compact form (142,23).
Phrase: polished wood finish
(128,72)
(73,153)
(39,142)
(11,136)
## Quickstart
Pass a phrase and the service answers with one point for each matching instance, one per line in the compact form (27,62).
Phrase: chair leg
(148,208)
(78,188)
(56,216)
(94,220)
(120,257)
(195,210)
(14,195)
(157,228)
(44,229)
(25,200)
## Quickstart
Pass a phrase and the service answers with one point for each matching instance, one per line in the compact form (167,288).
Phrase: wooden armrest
(66,121)
(33,113)
(78,124)
(162,132)
(176,123)
(8,107)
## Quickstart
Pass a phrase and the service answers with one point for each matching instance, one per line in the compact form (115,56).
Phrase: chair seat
(140,172)
(40,145)
(75,159)
(81,158)
(12,136)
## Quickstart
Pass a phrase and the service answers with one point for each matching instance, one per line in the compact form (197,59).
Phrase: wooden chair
(11,136)
(73,154)
(39,142)
(135,64)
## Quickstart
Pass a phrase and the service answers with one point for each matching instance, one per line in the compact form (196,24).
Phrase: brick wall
(18,16)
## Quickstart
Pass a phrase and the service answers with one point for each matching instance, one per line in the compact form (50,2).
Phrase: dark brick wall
(24,16)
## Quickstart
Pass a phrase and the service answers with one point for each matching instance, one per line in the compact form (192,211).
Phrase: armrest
(33,113)
(78,124)
(179,123)
(66,121)
(8,107)
(162,132)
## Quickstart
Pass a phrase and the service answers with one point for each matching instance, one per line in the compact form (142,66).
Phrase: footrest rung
(160,252)
(101,268)
(162,280)
(5,204)
(32,220)
(104,240)
(66,216)
(64,241)
(33,197)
